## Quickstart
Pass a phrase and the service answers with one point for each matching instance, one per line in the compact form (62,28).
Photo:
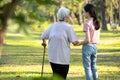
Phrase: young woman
(92,36)
(60,35)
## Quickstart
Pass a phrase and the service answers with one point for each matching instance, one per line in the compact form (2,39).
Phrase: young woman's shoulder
(86,24)
(89,22)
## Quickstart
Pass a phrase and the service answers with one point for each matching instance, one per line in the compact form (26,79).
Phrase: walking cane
(43,60)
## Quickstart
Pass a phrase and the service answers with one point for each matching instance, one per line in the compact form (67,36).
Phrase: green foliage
(46,2)
(20,18)
(6,8)
(3,2)
(29,12)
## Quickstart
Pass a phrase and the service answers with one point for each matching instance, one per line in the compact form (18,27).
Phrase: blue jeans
(89,58)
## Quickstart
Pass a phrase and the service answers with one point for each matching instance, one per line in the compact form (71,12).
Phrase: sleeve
(86,27)
(46,34)
(71,35)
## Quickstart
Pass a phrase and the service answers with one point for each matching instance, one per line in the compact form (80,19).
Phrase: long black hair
(92,11)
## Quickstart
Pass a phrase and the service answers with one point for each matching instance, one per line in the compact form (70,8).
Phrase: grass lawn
(22,57)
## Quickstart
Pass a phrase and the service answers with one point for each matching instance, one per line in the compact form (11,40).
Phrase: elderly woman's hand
(44,43)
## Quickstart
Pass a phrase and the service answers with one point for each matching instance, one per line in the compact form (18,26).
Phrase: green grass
(22,57)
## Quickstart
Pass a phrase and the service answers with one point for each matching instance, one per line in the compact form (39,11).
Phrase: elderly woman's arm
(44,42)
(45,36)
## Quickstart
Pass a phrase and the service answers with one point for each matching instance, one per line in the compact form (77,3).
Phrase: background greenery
(23,21)
(22,56)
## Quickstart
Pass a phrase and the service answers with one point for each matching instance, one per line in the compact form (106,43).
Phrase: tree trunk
(2,34)
(119,11)
(104,26)
(77,14)
(60,2)
(111,15)
(4,20)
(86,1)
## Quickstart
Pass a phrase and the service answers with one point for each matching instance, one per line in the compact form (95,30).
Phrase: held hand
(77,43)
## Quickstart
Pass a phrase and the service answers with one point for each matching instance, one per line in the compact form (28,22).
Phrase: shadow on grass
(22,73)
(15,38)
(109,60)
(19,36)
(106,59)
(99,50)
(48,77)
(22,49)
(108,50)
(22,60)
(22,55)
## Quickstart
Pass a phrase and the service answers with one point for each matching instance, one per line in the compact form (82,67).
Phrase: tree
(104,26)
(76,10)
(101,11)
(8,10)
(116,5)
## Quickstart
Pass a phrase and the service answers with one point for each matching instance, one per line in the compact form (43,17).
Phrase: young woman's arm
(85,41)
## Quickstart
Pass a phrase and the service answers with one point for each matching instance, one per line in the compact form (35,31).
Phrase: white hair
(62,13)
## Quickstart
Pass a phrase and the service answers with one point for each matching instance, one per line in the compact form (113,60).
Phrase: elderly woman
(60,35)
